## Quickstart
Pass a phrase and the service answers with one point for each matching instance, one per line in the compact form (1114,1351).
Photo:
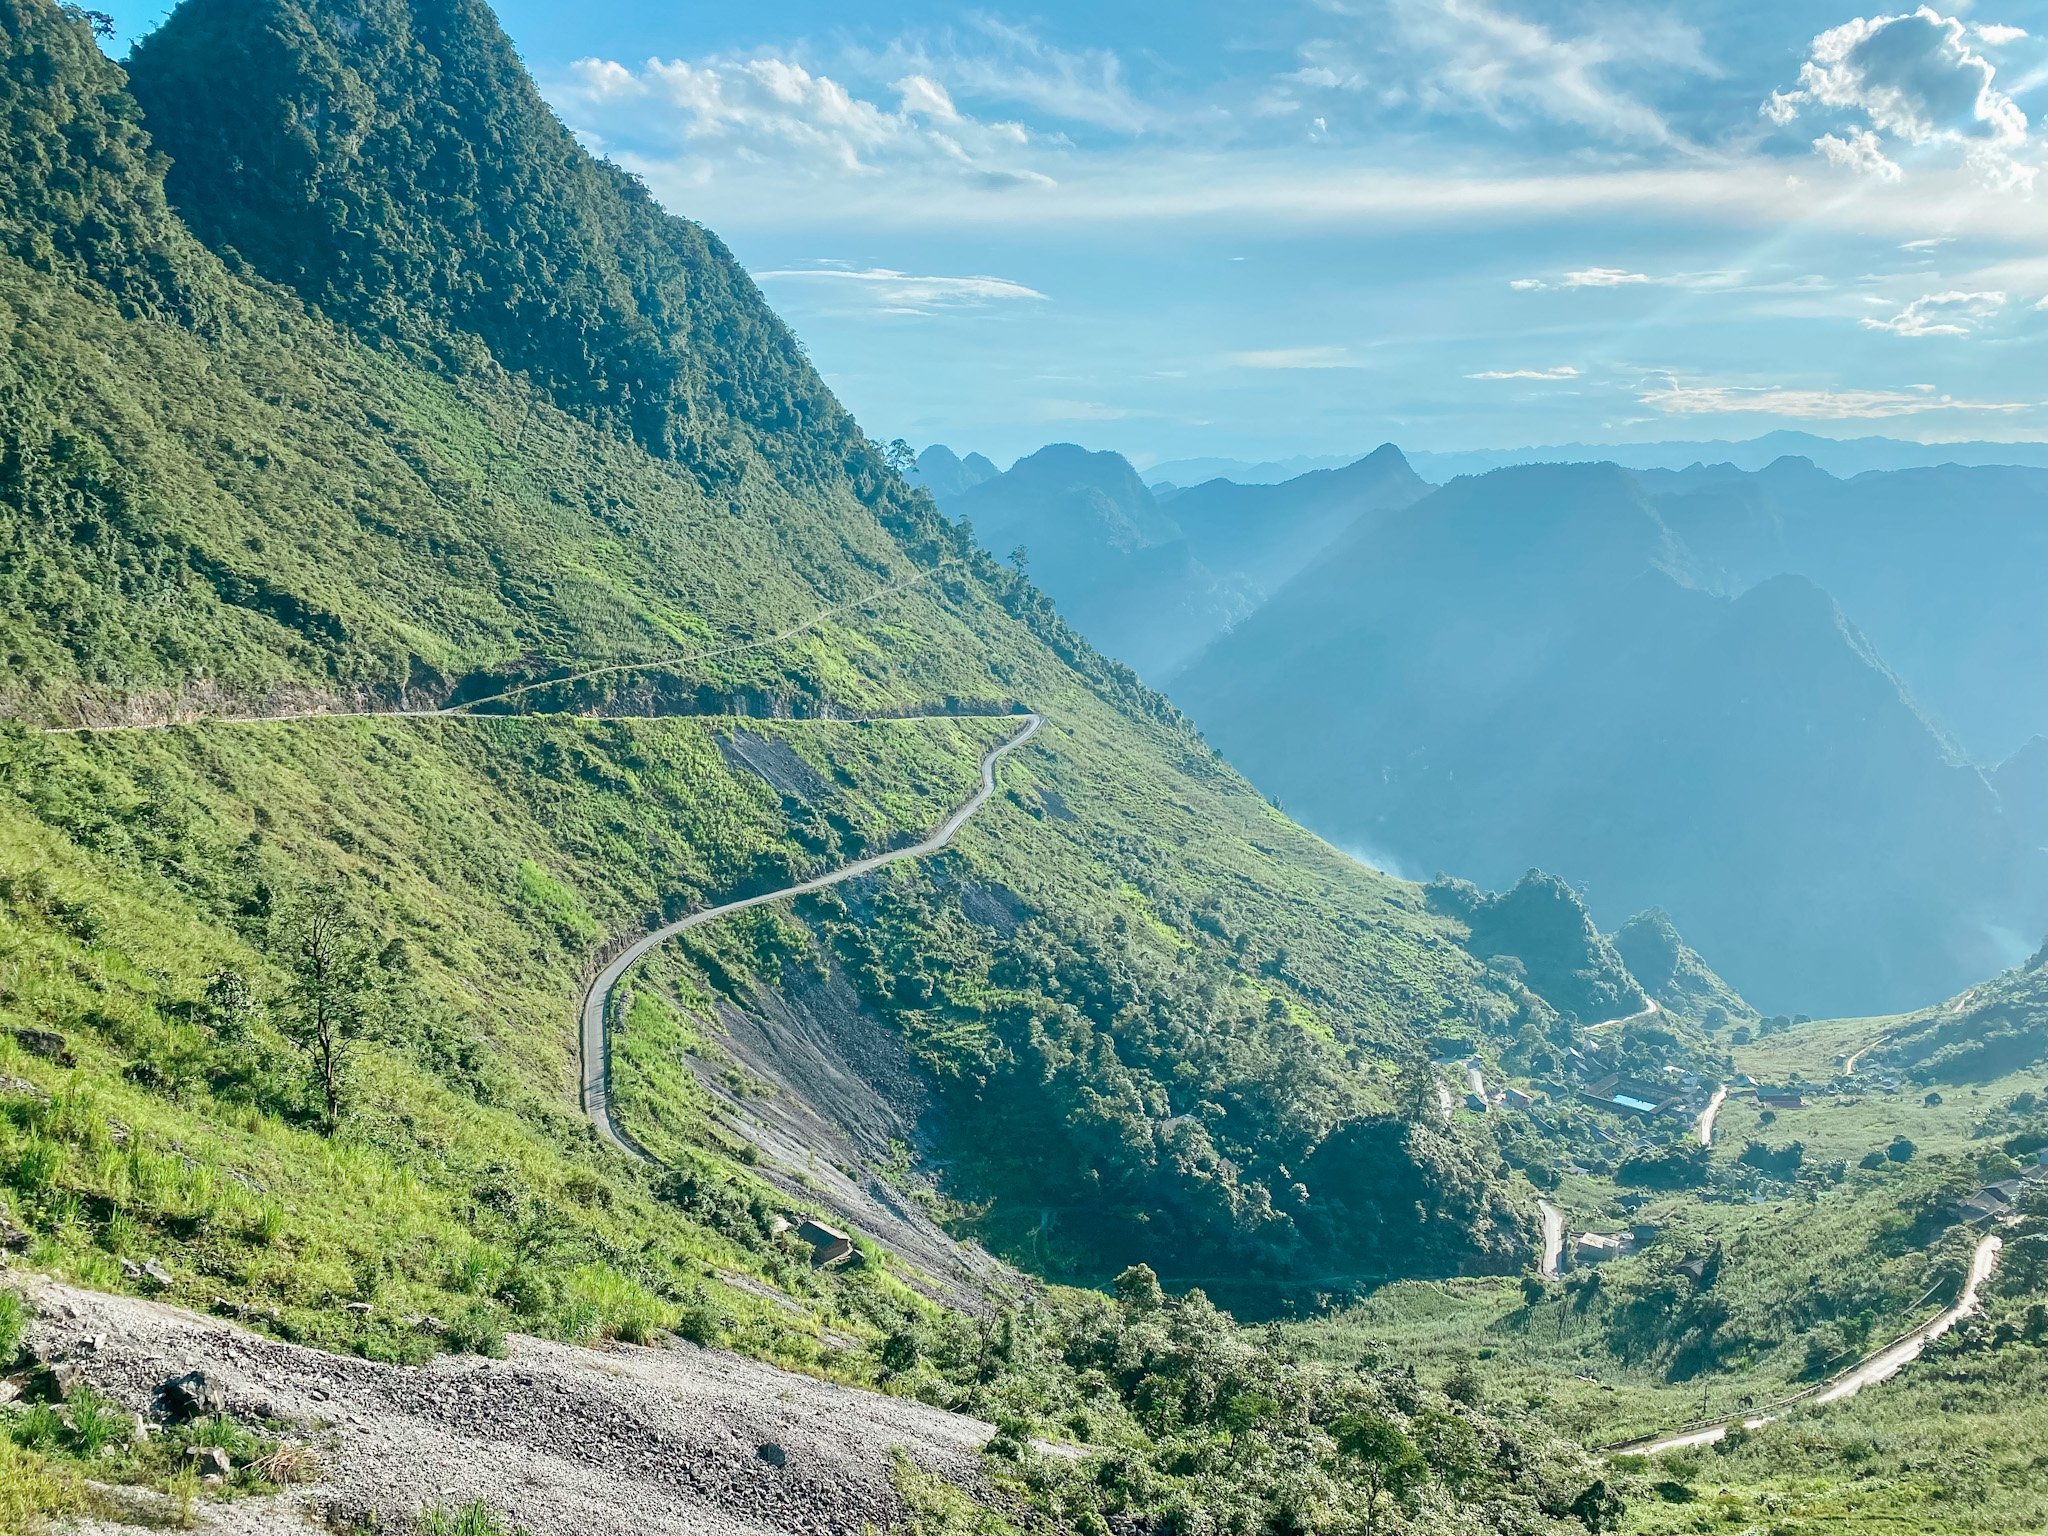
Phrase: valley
(584,945)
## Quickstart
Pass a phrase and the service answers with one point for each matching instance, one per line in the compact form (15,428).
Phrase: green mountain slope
(240,505)
(1676,975)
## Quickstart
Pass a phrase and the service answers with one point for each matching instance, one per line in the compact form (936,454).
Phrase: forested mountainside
(1675,975)
(1163,1020)
(1543,666)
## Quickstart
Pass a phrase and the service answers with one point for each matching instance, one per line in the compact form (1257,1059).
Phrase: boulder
(194,1395)
(772,1454)
(46,1043)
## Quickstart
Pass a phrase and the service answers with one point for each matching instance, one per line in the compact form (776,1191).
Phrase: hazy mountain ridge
(1151,580)
(1537,666)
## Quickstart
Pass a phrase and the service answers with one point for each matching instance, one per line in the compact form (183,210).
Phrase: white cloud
(1471,56)
(992,60)
(1915,79)
(1527,284)
(902,293)
(1940,314)
(1293,357)
(1862,152)
(1675,398)
(1565,371)
(1996,36)
(751,114)
(922,96)
(1604,277)
(1932,243)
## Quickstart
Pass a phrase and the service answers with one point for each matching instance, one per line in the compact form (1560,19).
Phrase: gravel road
(614,1442)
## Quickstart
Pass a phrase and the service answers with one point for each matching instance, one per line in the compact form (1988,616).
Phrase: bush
(477,1331)
(13,1323)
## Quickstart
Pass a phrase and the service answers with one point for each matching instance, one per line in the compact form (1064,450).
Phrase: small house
(1599,1247)
(1780,1098)
(1514,1098)
(828,1244)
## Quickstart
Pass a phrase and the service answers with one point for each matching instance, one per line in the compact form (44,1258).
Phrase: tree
(1138,1289)
(1384,1459)
(901,457)
(1901,1150)
(1020,560)
(1599,1508)
(328,1003)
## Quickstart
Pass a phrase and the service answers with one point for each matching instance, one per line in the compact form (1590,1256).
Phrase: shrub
(479,1330)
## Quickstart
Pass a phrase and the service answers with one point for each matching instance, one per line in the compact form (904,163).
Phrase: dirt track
(615,1442)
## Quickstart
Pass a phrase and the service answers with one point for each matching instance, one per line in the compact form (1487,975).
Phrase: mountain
(257,503)
(1938,566)
(1098,542)
(1181,473)
(1531,667)
(1838,456)
(1263,534)
(945,474)
(2022,784)
(1152,579)
(1675,974)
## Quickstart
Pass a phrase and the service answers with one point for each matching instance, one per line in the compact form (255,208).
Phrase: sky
(1308,226)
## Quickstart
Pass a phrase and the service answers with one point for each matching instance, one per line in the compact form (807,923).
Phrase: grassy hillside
(1191,1038)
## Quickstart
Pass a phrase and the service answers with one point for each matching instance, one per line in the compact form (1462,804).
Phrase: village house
(828,1244)
(1780,1098)
(1632,1096)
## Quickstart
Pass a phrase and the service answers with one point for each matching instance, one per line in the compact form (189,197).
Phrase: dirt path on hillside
(613,1442)
(593,1033)
(1870,1371)
(1553,1238)
(1707,1115)
(520,690)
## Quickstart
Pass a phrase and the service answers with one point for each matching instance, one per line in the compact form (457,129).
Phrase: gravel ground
(614,1442)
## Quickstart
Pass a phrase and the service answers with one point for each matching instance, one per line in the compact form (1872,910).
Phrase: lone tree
(328,1003)
(900,457)
(1384,1459)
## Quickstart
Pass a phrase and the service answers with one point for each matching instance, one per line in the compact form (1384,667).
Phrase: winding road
(1706,1122)
(1628,1018)
(1867,1372)
(594,1037)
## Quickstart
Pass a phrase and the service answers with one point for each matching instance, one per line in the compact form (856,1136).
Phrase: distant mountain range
(1152,579)
(1838,456)
(1557,665)
(1789,708)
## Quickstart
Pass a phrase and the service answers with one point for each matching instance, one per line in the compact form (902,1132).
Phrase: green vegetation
(287,1007)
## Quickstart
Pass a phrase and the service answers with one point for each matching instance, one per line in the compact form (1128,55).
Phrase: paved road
(731,648)
(1868,1372)
(1706,1126)
(593,1037)
(1628,1018)
(1553,1238)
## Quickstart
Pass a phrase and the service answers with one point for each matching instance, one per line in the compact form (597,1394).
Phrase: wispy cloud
(1473,58)
(905,293)
(1673,397)
(726,114)
(1954,313)
(1293,357)
(1565,371)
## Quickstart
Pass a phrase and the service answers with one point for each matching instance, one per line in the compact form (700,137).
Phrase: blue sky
(1306,226)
